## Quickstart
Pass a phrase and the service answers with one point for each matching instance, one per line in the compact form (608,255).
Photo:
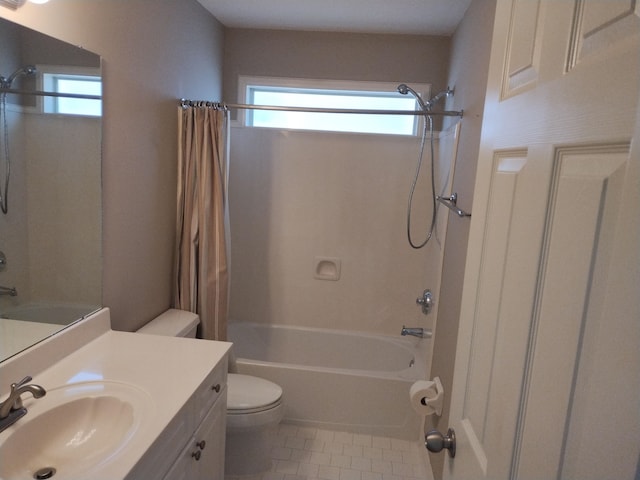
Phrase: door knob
(435,441)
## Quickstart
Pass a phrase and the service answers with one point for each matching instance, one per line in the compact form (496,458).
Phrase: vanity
(118,405)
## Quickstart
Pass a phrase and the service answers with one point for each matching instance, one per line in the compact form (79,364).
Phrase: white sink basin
(72,432)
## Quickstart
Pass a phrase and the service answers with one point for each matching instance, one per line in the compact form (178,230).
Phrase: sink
(73,431)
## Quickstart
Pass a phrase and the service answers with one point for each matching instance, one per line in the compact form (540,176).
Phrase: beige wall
(334,56)
(468,73)
(154,51)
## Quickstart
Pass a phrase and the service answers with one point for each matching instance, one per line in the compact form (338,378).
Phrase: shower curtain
(201,256)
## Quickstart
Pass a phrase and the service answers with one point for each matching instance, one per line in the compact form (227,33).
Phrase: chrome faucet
(8,291)
(11,410)
(416,332)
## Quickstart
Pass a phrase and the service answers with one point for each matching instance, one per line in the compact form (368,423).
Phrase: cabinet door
(210,440)
(183,468)
(203,457)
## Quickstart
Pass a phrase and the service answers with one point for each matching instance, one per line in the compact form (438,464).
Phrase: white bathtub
(335,379)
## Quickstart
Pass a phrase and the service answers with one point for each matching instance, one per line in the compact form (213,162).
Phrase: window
(76,81)
(329,94)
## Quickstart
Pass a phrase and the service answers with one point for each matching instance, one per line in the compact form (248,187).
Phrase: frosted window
(74,84)
(336,122)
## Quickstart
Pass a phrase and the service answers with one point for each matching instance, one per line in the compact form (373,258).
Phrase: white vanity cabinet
(175,389)
(192,446)
(202,458)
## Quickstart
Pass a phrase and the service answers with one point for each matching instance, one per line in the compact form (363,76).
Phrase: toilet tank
(173,323)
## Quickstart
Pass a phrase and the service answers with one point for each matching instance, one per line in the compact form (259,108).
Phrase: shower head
(26,70)
(426,105)
(404,89)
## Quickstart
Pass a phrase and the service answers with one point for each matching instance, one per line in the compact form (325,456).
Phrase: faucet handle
(17,401)
(22,382)
(426,301)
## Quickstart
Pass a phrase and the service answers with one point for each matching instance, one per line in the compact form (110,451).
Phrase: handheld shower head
(405,89)
(26,70)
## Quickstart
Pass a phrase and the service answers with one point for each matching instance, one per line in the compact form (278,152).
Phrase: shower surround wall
(297,196)
(51,235)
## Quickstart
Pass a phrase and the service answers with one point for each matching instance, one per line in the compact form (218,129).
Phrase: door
(546,380)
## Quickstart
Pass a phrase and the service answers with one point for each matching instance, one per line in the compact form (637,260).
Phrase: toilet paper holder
(427,397)
(438,401)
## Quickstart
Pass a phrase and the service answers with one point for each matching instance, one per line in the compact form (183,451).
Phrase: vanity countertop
(166,369)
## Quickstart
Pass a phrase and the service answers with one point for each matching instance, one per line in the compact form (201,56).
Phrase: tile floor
(303,453)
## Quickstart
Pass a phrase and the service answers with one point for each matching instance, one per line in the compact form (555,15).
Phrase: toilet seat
(247,394)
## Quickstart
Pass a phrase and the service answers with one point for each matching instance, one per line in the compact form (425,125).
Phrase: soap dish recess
(327,268)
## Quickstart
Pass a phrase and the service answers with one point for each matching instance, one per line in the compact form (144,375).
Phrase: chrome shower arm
(11,291)
(446,93)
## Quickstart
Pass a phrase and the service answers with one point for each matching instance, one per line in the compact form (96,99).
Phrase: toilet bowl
(254,410)
(254,405)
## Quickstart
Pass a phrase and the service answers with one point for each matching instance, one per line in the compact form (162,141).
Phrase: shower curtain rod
(40,93)
(244,106)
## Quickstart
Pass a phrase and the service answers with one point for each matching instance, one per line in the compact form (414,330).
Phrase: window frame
(245,82)
(46,105)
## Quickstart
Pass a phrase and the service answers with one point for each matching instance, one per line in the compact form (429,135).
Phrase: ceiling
(421,17)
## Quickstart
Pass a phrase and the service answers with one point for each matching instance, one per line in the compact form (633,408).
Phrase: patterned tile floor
(303,453)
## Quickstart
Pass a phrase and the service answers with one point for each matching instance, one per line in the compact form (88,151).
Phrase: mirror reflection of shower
(427,129)
(5,160)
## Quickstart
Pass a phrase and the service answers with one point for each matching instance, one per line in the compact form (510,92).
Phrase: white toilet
(254,405)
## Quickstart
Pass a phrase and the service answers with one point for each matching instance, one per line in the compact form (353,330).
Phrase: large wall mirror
(50,183)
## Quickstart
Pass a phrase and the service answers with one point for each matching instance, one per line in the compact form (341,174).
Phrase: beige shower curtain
(201,258)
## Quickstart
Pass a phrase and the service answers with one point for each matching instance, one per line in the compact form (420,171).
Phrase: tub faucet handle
(425,301)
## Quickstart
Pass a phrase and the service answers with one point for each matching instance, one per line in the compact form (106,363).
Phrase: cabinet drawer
(210,390)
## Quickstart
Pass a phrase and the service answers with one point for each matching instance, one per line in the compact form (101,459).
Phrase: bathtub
(336,379)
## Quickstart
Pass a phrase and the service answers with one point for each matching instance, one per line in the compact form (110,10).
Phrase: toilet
(254,410)
(254,405)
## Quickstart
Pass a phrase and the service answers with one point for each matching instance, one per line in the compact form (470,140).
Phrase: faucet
(11,410)
(416,332)
(8,291)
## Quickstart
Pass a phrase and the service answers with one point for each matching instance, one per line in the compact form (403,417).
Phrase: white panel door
(547,372)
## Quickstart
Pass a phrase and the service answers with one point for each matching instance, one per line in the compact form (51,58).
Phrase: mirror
(51,234)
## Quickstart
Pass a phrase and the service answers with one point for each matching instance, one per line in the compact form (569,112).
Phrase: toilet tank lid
(172,323)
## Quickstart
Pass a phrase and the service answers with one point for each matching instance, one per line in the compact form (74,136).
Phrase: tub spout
(416,332)
(8,291)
